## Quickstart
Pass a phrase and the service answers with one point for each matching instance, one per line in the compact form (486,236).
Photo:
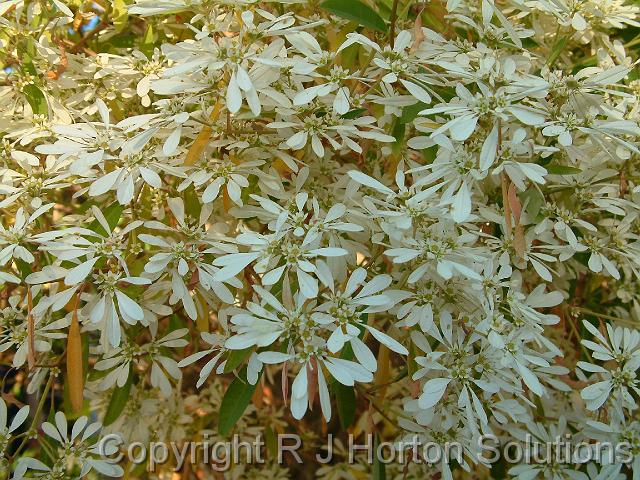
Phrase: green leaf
(271,442)
(28,66)
(399,131)
(36,99)
(356,12)
(345,396)
(119,399)
(123,40)
(560,44)
(112,215)
(532,200)
(146,46)
(351,114)
(410,113)
(412,366)
(562,170)
(346,402)
(349,56)
(235,402)
(25,268)
(236,357)
(120,15)
(192,205)
(138,470)
(378,470)
(176,322)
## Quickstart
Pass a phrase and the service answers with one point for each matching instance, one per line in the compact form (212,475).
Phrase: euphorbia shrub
(405,219)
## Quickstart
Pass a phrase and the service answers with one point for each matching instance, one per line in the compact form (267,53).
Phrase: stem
(403,373)
(392,29)
(36,416)
(201,141)
(586,311)
(504,183)
(31,331)
(575,331)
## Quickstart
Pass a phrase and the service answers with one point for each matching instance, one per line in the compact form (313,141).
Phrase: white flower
(119,361)
(86,144)
(324,200)
(14,336)
(75,243)
(29,182)
(268,251)
(221,173)
(15,239)
(467,108)
(185,254)
(7,429)
(345,309)
(111,304)
(337,131)
(218,348)
(622,348)
(81,448)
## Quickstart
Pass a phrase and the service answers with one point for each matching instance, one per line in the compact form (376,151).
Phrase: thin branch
(393,19)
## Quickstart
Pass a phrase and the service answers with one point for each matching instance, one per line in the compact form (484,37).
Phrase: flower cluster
(400,218)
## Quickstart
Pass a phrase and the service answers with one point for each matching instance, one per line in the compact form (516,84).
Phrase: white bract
(425,219)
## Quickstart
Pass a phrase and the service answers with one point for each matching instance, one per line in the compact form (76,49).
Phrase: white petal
(105,183)
(432,392)
(417,91)
(151,177)
(308,284)
(128,306)
(79,273)
(244,82)
(234,96)
(461,207)
(171,144)
(489,149)
(388,341)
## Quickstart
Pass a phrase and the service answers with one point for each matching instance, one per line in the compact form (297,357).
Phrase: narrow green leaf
(346,402)
(562,170)
(118,401)
(532,200)
(560,44)
(120,15)
(235,402)
(351,114)
(36,99)
(146,46)
(122,40)
(192,205)
(412,366)
(399,131)
(345,396)
(410,113)
(236,357)
(138,470)
(112,214)
(176,322)
(356,12)
(28,65)
(24,267)
(378,470)
(271,442)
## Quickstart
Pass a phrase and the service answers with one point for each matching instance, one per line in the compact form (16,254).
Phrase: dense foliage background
(393,218)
